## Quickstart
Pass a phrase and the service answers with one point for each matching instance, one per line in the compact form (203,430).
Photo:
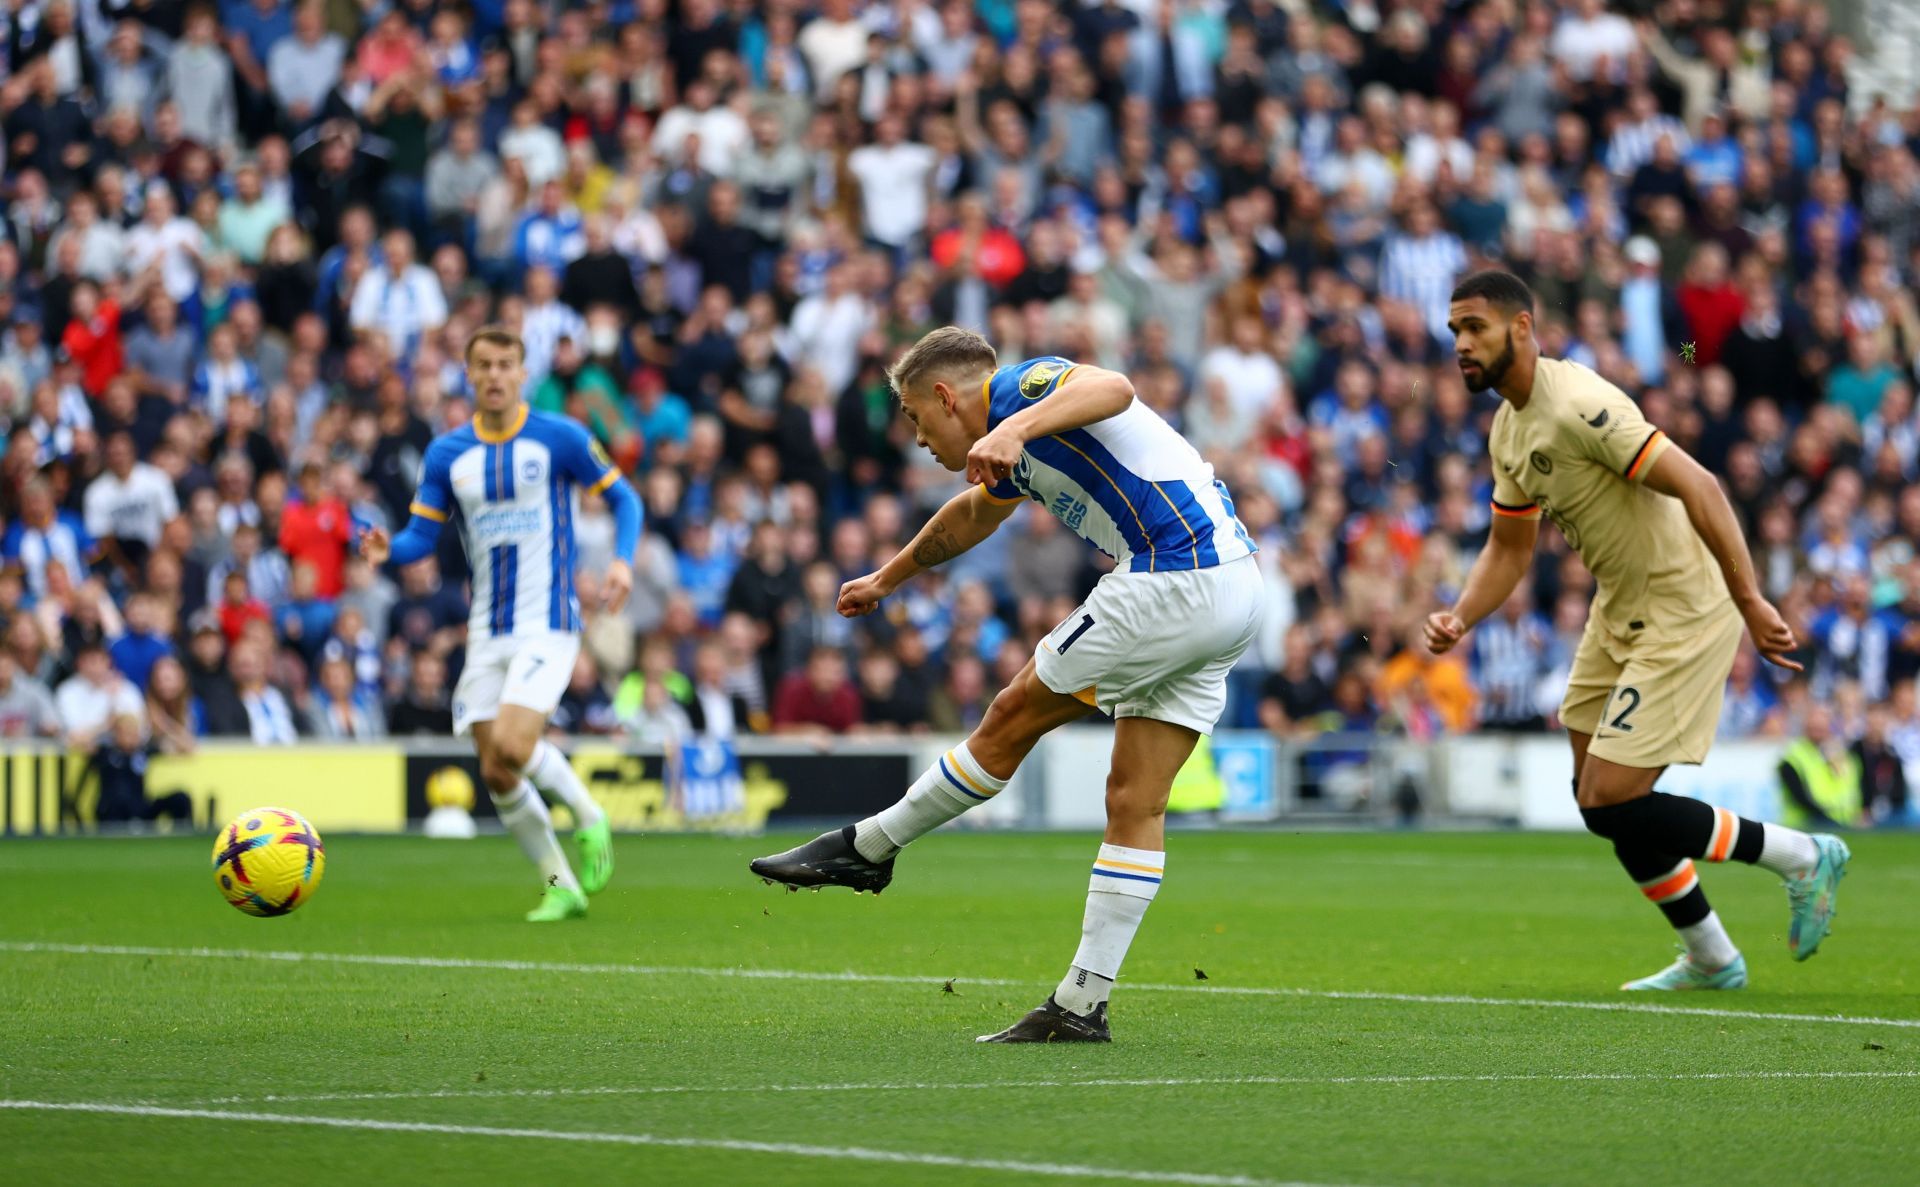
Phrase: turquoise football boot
(1684,974)
(1812,897)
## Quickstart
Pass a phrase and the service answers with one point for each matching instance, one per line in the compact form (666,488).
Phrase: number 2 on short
(1631,698)
(1086,623)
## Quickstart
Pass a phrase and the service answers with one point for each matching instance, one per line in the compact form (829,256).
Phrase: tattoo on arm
(940,545)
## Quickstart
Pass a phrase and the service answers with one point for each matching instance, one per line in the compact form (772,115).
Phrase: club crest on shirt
(531,471)
(1542,462)
(1034,383)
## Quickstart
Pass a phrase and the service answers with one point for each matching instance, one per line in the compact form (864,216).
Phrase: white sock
(550,771)
(1123,884)
(1709,944)
(525,815)
(954,783)
(1787,852)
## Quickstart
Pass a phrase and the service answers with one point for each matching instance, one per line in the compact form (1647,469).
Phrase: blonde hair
(947,351)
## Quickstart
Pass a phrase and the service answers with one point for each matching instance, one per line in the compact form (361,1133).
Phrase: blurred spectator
(343,711)
(128,506)
(141,645)
(424,708)
(119,763)
(40,537)
(176,716)
(1820,777)
(270,719)
(93,696)
(316,530)
(27,709)
(817,698)
(209,681)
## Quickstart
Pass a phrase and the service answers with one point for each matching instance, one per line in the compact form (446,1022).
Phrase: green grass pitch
(1428,1028)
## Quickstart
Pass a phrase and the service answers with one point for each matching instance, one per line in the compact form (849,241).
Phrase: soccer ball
(268,861)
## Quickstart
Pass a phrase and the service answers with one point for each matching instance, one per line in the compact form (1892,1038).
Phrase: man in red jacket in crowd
(819,698)
(318,530)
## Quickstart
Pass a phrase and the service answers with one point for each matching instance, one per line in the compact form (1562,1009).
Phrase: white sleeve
(96,511)
(169,501)
(361,313)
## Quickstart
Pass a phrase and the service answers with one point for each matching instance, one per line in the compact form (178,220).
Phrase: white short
(1157,645)
(530,671)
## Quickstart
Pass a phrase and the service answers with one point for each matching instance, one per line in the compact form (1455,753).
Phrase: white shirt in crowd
(893,189)
(177,244)
(135,508)
(826,334)
(401,308)
(832,48)
(539,150)
(723,136)
(86,708)
(1579,44)
(1253,380)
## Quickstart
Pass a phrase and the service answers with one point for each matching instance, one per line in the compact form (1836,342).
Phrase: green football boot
(1684,974)
(1812,897)
(595,843)
(557,904)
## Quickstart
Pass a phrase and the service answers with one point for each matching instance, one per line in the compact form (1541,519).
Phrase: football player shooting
(514,473)
(1675,585)
(1151,645)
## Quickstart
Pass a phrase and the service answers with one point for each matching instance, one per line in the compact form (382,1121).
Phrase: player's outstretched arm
(1676,474)
(431,501)
(1086,396)
(1499,568)
(967,519)
(625,505)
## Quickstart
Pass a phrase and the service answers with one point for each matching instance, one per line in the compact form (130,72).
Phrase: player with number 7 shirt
(514,476)
(1151,646)
(1675,588)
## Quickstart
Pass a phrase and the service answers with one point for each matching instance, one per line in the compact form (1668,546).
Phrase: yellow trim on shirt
(426,512)
(1191,537)
(606,480)
(993,498)
(520,422)
(1144,534)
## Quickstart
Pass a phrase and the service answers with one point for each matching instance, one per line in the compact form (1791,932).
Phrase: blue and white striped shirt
(1129,485)
(517,496)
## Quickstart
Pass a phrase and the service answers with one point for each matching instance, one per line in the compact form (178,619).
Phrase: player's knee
(995,738)
(514,753)
(1130,799)
(499,778)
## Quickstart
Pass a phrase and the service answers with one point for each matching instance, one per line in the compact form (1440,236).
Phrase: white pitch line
(999,1085)
(1058,1170)
(633,970)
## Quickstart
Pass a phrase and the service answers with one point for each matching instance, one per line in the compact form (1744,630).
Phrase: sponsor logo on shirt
(1034,383)
(506,524)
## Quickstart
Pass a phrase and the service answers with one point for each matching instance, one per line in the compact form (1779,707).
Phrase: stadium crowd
(243,245)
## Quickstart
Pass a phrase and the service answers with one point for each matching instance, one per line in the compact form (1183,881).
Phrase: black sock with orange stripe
(1669,882)
(1663,823)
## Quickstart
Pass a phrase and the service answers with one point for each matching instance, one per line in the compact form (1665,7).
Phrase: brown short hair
(496,335)
(945,351)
